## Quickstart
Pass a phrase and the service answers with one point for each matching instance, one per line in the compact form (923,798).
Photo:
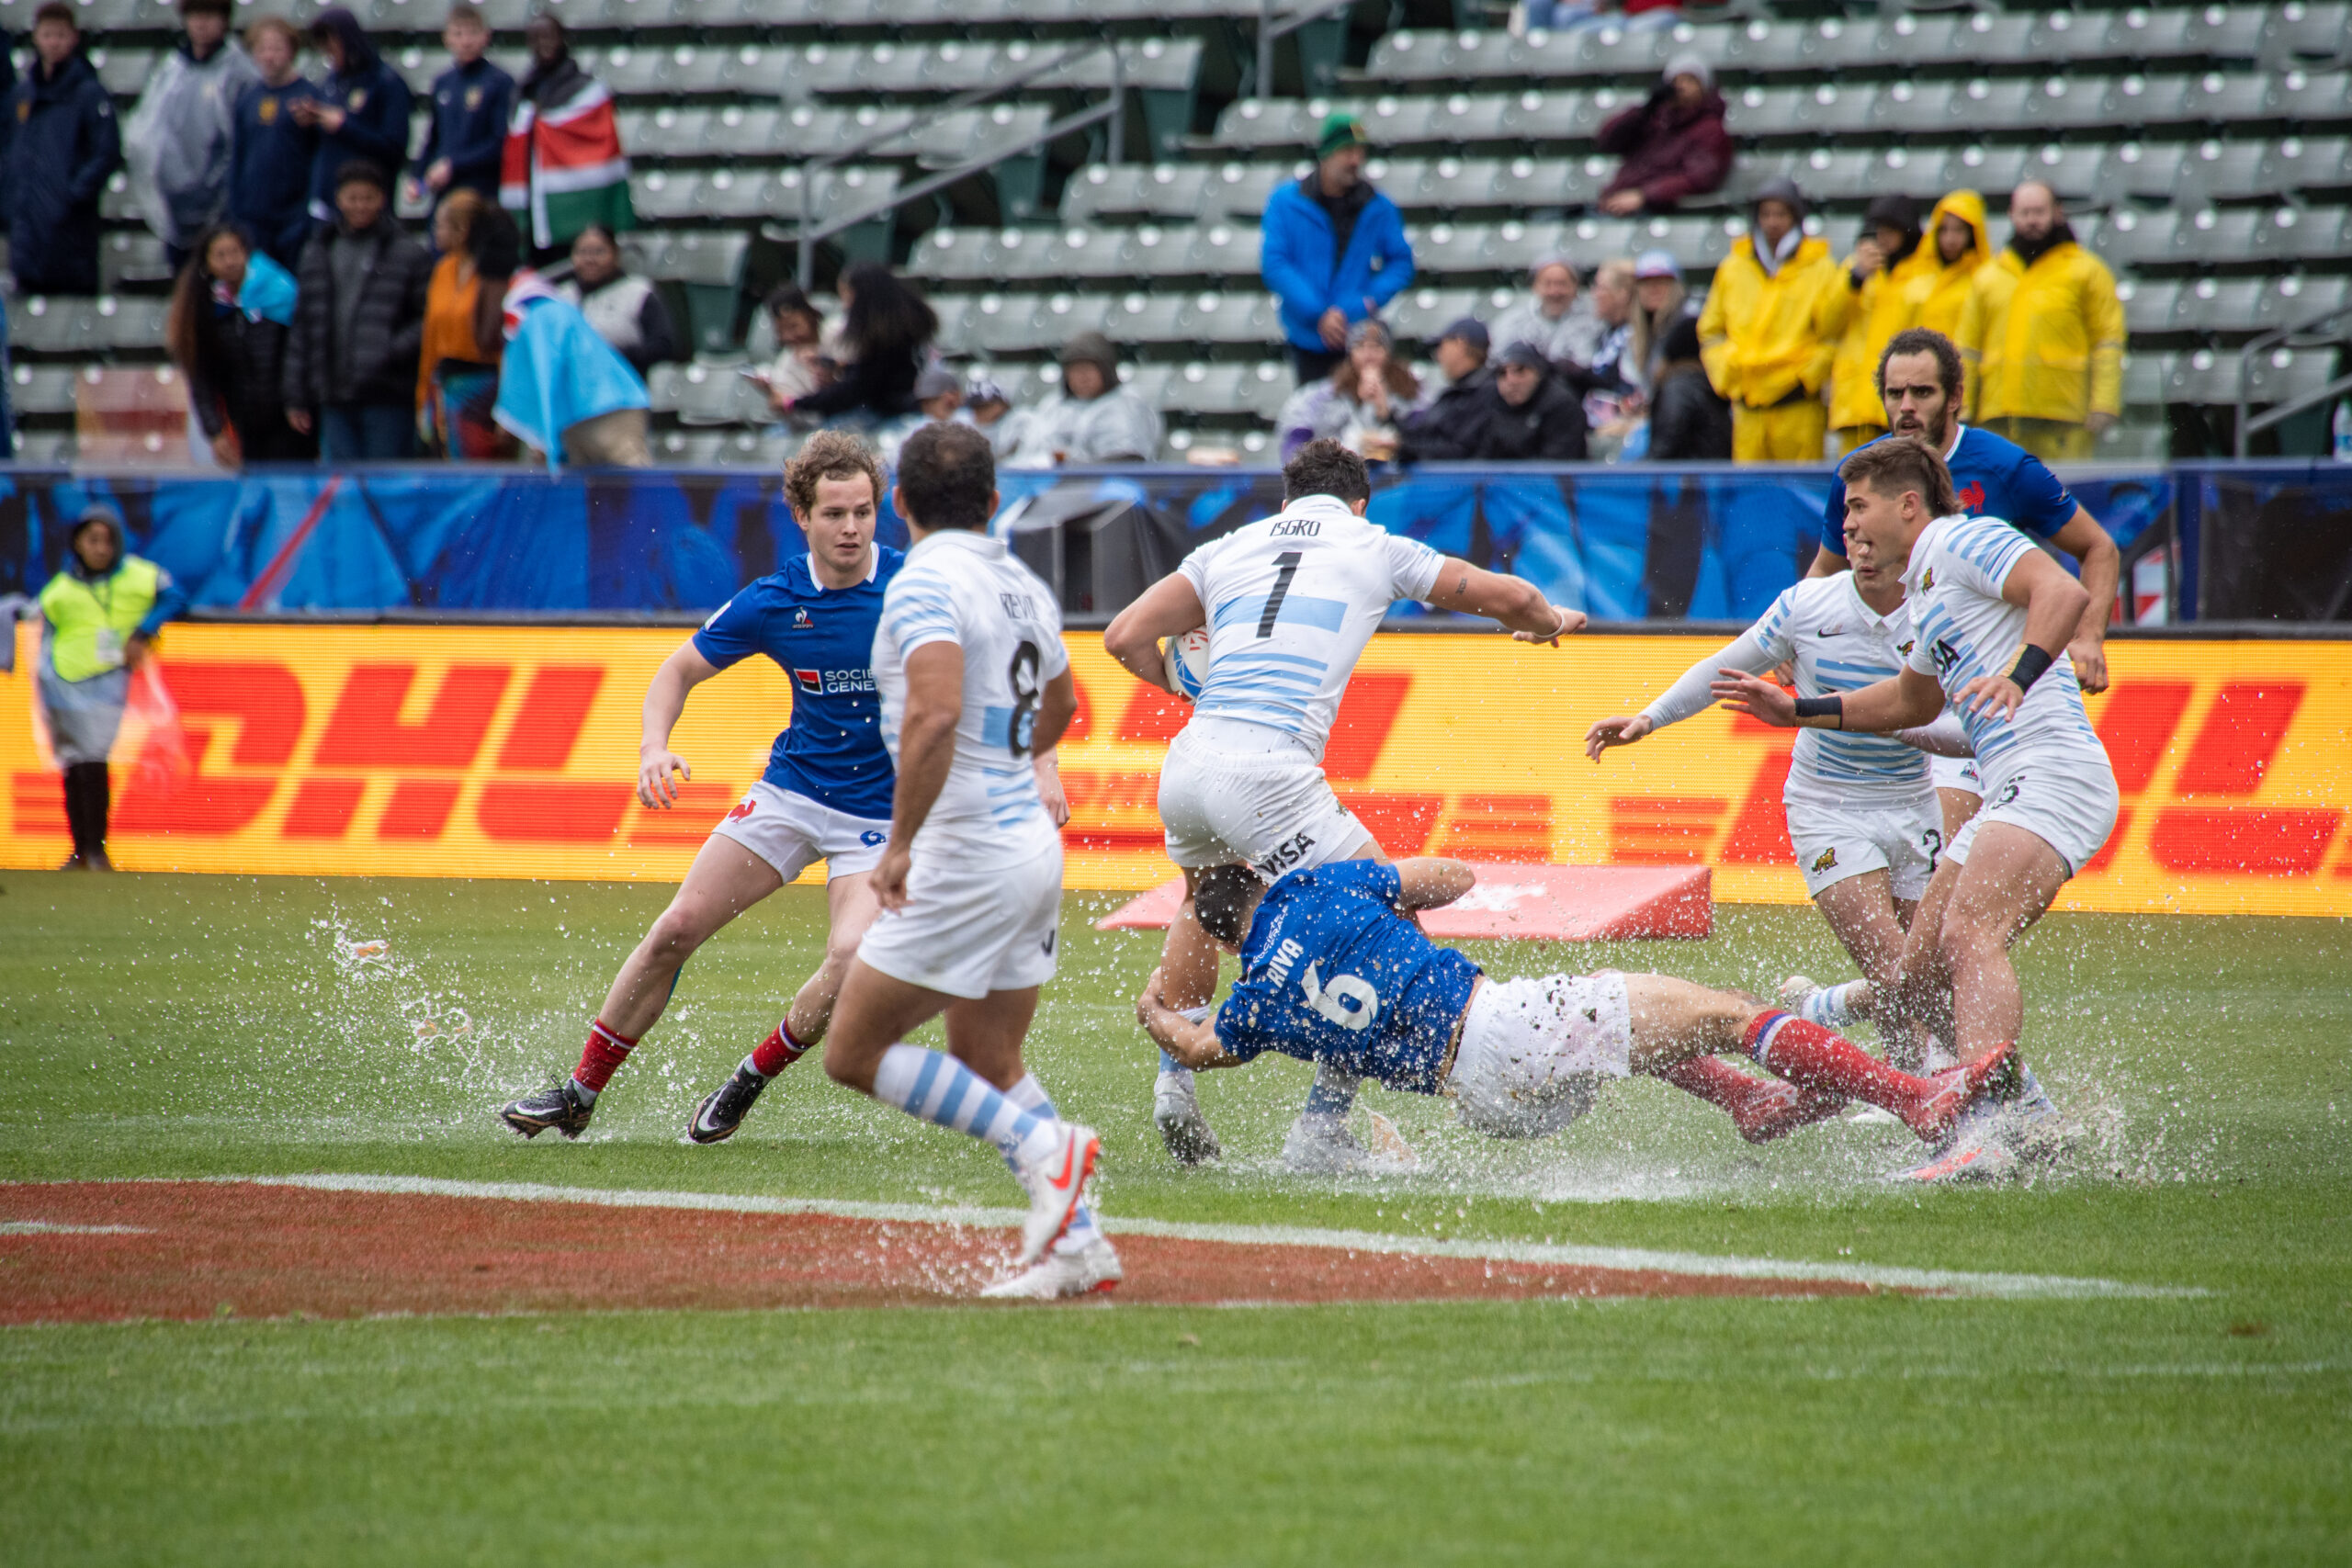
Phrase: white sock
(1832,1006)
(1030,1095)
(1168,1065)
(939,1088)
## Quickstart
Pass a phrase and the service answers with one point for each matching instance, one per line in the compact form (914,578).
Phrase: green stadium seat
(2288,300)
(2148,304)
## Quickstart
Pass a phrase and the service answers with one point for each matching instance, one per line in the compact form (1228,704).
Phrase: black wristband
(1822,707)
(2031,662)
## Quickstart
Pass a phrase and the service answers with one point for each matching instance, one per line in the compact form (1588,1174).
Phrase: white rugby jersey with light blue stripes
(1291,601)
(1838,644)
(1963,628)
(968,589)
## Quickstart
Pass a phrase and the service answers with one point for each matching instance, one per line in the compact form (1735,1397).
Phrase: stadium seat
(2146,379)
(2137,101)
(1417,315)
(2290,233)
(43,388)
(2211,235)
(2072,171)
(2217,305)
(130,256)
(2313,97)
(2137,238)
(2151,171)
(1912,107)
(40,324)
(2296,299)
(2297,163)
(2322,31)
(1994,38)
(1127,190)
(1235,317)
(2147,306)
(1242,189)
(1224,249)
(2286,373)
(1277,123)
(1831,109)
(999,324)
(2202,377)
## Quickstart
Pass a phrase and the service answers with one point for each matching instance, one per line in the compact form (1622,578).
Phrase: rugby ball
(1188,663)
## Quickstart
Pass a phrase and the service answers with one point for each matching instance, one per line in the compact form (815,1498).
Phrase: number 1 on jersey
(1288,561)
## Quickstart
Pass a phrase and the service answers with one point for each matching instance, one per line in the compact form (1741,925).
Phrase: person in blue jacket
(64,142)
(361,112)
(467,124)
(1334,249)
(271,149)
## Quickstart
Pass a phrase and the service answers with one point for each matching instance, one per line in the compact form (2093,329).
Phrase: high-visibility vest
(90,620)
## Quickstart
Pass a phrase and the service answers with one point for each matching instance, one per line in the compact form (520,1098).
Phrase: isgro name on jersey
(833,682)
(1296,528)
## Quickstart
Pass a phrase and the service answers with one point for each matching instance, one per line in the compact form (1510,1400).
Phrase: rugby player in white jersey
(973,681)
(1290,603)
(1863,813)
(1991,617)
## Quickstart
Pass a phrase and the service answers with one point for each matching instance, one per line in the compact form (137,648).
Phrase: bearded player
(1290,603)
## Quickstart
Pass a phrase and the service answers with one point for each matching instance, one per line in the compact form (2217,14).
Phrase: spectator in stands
(1689,424)
(625,310)
(563,161)
(2042,336)
(800,364)
(1590,15)
(64,144)
(104,609)
(1957,229)
(1332,248)
(1551,317)
(1659,301)
(887,332)
(231,311)
(465,125)
(456,365)
(273,149)
(987,410)
(360,111)
(1453,423)
(1531,417)
(1770,328)
(1889,278)
(563,390)
(1612,307)
(358,323)
(939,398)
(1093,419)
(1359,403)
(1673,143)
(177,141)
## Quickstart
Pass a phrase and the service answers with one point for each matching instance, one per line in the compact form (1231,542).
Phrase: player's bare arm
(1169,608)
(926,748)
(665,699)
(2102,569)
(1623,729)
(1517,604)
(1826,562)
(1056,799)
(2053,605)
(1195,1045)
(1910,701)
(1431,882)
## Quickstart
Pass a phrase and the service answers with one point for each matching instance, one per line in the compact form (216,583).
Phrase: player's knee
(676,933)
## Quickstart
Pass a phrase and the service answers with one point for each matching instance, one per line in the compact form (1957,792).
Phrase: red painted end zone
(198,1249)
(1533,903)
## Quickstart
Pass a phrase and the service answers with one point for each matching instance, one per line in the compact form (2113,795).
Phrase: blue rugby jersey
(1995,476)
(823,639)
(1333,971)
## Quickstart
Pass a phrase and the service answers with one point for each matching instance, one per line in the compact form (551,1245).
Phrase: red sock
(777,1052)
(1812,1057)
(604,1052)
(1762,1109)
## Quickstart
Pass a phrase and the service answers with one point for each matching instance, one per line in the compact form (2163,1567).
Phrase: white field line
(2013,1287)
(54,1227)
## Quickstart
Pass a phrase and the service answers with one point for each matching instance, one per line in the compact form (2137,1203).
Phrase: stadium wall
(511,751)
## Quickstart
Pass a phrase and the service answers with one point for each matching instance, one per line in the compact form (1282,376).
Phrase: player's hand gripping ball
(1188,663)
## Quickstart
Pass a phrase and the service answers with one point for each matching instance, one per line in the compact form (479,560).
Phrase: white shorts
(967,932)
(1955,772)
(1232,793)
(789,830)
(1834,843)
(2063,796)
(1536,1052)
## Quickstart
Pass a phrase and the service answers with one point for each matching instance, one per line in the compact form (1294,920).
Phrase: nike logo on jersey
(833,682)
(1833,631)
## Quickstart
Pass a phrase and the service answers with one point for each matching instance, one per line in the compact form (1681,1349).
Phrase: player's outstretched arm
(1691,694)
(2053,605)
(1169,608)
(1431,882)
(665,699)
(1905,702)
(1194,1045)
(1826,562)
(2090,544)
(1945,737)
(926,748)
(1515,601)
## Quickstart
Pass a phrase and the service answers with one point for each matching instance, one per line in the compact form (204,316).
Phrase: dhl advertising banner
(343,750)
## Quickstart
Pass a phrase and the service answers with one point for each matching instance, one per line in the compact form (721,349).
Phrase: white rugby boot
(1056,1183)
(1176,1111)
(1058,1276)
(1319,1143)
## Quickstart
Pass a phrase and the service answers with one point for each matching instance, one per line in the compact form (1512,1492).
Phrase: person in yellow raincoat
(1888,276)
(2042,336)
(1769,333)
(1956,233)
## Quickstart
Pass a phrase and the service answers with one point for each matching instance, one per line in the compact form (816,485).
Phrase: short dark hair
(948,476)
(1902,463)
(1224,899)
(363,171)
(57,11)
(1924,340)
(1323,466)
(830,455)
(211,7)
(787,300)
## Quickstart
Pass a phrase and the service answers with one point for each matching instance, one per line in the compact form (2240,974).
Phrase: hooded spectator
(65,143)
(1889,278)
(1359,403)
(1956,233)
(1769,333)
(1333,249)
(1555,316)
(1533,417)
(1673,143)
(1659,300)
(887,332)
(231,311)
(989,410)
(457,369)
(273,150)
(358,324)
(625,310)
(563,167)
(1689,424)
(361,110)
(1453,424)
(469,105)
(2042,336)
(1093,419)
(177,142)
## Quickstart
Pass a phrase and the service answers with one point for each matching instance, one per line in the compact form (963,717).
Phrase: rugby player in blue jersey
(1335,970)
(825,796)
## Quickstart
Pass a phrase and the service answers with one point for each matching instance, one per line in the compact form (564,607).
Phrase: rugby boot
(723,1109)
(1082,1271)
(1176,1111)
(560,1107)
(1971,1150)
(1056,1183)
(1320,1144)
(1992,1076)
